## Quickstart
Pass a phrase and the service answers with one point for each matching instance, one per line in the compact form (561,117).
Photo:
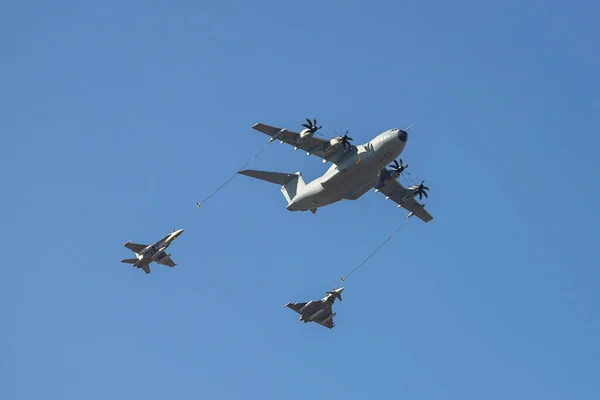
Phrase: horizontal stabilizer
(278,178)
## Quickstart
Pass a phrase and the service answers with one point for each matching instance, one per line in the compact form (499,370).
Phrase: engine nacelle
(305,133)
(335,141)
(384,176)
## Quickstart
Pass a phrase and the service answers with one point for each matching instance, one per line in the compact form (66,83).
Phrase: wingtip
(244,172)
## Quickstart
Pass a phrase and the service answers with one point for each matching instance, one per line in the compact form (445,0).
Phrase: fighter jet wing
(296,306)
(311,144)
(399,194)
(167,261)
(137,248)
(328,322)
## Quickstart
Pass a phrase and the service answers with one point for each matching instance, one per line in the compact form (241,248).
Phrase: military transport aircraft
(146,254)
(318,311)
(355,170)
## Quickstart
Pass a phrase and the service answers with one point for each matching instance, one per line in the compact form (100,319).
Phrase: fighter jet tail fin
(337,293)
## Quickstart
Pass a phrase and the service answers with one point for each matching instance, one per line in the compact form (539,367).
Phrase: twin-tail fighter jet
(319,311)
(355,170)
(146,254)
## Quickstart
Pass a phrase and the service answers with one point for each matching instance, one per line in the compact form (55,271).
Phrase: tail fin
(291,184)
(291,188)
(337,293)
(129,260)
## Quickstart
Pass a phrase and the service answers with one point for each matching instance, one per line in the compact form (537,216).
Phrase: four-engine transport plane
(146,254)
(355,170)
(319,311)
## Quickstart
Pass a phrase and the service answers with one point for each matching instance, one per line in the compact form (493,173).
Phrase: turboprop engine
(395,170)
(311,129)
(341,140)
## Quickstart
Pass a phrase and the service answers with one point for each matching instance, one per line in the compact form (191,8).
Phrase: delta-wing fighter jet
(146,254)
(319,311)
(355,170)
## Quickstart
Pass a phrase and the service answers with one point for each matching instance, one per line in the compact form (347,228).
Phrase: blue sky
(117,117)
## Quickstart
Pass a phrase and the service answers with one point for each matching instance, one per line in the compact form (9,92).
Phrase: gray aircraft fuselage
(156,251)
(353,175)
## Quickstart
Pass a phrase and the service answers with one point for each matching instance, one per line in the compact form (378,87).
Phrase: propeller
(398,168)
(312,126)
(345,140)
(421,190)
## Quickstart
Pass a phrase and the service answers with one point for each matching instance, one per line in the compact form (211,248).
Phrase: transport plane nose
(402,135)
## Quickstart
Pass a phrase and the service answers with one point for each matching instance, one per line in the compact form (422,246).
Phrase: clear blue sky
(117,117)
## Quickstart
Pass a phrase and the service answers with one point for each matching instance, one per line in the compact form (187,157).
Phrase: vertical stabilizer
(293,187)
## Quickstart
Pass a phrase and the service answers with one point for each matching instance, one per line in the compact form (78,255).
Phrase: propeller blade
(425,194)
(308,120)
